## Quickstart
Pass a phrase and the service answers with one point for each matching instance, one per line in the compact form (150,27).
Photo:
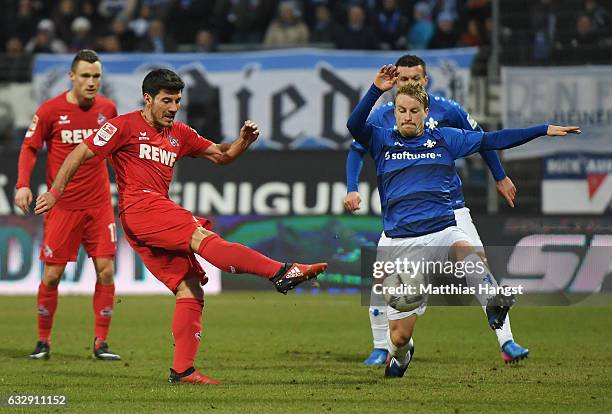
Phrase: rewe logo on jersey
(76,136)
(104,134)
(63,119)
(149,152)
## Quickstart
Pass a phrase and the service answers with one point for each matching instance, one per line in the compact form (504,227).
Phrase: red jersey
(143,158)
(62,126)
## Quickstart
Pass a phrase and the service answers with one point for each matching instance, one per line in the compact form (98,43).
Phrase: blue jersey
(442,113)
(415,174)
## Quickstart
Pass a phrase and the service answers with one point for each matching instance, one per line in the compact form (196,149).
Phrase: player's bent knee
(190,288)
(53,274)
(460,250)
(198,236)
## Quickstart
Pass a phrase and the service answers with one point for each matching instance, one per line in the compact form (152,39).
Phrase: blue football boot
(513,352)
(377,357)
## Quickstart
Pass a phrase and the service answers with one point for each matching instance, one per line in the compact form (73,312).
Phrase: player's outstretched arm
(509,138)
(71,164)
(25,166)
(354,164)
(223,154)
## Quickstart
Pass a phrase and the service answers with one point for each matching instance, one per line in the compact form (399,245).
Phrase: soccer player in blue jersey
(415,168)
(442,113)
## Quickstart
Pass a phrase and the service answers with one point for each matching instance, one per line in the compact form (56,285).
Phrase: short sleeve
(108,139)
(38,130)
(462,143)
(191,142)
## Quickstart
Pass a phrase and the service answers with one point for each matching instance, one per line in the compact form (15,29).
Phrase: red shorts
(65,230)
(160,231)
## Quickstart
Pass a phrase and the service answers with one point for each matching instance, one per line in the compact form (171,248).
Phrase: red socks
(236,258)
(47,303)
(187,332)
(103,300)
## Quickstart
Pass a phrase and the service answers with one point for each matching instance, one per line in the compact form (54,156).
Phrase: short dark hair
(410,61)
(85,55)
(161,79)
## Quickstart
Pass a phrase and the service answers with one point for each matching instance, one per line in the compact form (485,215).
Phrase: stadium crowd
(546,31)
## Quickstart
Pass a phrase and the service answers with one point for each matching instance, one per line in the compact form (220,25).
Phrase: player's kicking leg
(103,301)
(510,350)
(47,304)
(236,258)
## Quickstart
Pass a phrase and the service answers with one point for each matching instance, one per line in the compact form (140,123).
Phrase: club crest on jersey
(101,118)
(429,144)
(32,127)
(63,120)
(431,123)
(173,141)
(104,134)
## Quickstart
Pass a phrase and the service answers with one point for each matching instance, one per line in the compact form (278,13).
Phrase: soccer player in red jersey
(84,215)
(143,147)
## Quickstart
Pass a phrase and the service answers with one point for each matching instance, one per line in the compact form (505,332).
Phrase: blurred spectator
(14,63)
(44,41)
(110,44)
(600,18)
(24,24)
(124,35)
(323,25)
(544,24)
(186,17)
(479,10)
(110,10)
(82,37)
(205,42)
(355,34)
(62,17)
(445,36)
(471,37)
(584,44)
(452,10)
(242,21)
(422,29)
(287,29)
(391,26)
(140,25)
(156,41)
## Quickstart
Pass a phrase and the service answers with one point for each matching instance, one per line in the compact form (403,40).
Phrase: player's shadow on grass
(324,356)
(20,353)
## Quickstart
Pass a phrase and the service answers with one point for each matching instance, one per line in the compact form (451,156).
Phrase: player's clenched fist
(23,199)
(386,77)
(249,131)
(352,201)
(44,203)
(561,131)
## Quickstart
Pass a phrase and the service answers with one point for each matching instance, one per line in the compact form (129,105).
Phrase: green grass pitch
(303,353)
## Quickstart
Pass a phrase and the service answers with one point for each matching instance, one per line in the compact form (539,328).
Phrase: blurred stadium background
(298,68)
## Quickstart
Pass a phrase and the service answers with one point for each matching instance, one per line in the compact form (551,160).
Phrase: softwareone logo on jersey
(407,155)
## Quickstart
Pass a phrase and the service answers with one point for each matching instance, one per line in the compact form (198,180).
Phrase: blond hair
(414,90)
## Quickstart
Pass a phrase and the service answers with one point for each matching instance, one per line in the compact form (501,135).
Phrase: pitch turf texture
(303,353)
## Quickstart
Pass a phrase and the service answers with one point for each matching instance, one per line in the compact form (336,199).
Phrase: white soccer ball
(402,291)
